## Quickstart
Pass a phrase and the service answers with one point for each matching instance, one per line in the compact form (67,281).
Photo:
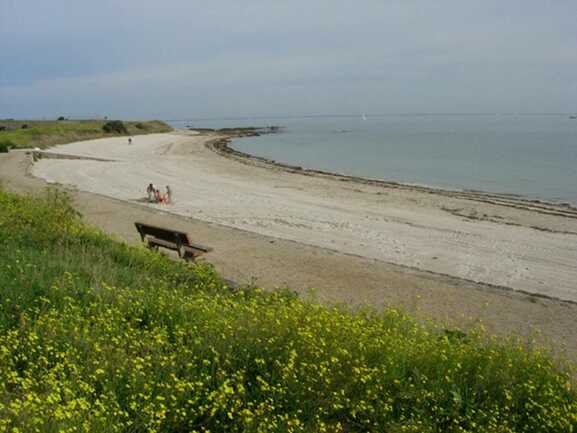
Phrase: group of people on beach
(155,196)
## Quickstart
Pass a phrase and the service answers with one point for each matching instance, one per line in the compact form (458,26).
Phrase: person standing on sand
(168,194)
(129,140)
(150,192)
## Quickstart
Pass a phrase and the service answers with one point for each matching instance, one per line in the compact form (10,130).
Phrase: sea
(532,156)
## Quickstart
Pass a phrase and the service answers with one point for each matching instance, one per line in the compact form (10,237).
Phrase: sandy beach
(263,223)
(525,249)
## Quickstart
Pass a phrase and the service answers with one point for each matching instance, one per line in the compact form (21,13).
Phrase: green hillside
(42,134)
(97,336)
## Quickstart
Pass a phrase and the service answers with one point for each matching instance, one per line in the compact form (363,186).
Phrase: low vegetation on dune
(6,145)
(97,336)
(42,134)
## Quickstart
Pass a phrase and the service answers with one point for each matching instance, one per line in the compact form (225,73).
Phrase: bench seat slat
(161,243)
(199,247)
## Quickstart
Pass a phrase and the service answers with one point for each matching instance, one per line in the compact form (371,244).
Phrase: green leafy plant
(115,126)
(6,145)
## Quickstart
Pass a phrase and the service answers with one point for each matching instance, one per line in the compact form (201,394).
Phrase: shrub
(115,126)
(140,125)
(25,126)
(6,145)
(61,118)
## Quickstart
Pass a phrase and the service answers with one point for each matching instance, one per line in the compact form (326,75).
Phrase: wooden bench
(156,237)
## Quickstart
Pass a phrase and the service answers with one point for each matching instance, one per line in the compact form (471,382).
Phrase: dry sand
(252,216)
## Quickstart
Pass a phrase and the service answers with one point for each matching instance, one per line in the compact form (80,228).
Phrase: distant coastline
(17,133)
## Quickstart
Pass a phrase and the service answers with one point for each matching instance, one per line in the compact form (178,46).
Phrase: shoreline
(224,146)
(213,144)
(489,239)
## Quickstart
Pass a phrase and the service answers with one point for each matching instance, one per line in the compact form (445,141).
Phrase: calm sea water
(529,155)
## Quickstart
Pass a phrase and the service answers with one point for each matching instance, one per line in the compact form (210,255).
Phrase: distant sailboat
(364,117)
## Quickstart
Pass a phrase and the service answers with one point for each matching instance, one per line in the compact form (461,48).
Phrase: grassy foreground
(96,336)
(43,134)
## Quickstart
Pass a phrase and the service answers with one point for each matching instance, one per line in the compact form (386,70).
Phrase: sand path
(400,227)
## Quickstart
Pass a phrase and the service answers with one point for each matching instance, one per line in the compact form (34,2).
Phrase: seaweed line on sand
(222,146)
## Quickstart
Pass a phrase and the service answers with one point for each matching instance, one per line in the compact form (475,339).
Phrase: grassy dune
(96,336)
(43,134)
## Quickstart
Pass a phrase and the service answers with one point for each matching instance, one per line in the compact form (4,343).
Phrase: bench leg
(152,246)
(189,257)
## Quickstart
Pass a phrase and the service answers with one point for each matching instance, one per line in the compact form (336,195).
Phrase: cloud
(181,58)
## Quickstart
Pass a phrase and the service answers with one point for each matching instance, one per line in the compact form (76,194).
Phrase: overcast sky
(178,59)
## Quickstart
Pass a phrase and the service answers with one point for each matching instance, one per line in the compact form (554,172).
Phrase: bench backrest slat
(179,238)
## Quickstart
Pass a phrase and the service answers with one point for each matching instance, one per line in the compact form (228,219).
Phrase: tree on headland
(115,126)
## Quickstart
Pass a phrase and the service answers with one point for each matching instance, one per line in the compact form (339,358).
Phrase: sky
(187,59)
